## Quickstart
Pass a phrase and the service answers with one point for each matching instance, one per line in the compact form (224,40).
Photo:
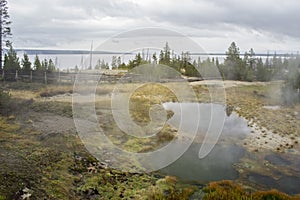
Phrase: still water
(228,151)
(218,164)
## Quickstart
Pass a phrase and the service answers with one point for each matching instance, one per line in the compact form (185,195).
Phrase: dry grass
(227,190)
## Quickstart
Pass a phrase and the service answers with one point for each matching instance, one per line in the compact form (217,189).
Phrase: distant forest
(235,67)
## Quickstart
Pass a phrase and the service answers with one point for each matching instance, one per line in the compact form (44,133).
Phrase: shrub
(5,101)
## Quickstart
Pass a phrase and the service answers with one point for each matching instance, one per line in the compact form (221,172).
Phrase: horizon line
(74,51)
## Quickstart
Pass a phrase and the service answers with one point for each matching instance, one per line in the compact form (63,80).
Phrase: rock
(26,190)
(229,109)
(197,195)
(103,165)
(11,117)
(26,196)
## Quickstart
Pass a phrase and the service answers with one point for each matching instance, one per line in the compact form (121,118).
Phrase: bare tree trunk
(1,52)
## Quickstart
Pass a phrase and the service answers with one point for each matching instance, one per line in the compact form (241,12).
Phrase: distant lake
(69,61)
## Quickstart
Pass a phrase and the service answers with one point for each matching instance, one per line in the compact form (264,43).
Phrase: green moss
(137,145)
(111,184)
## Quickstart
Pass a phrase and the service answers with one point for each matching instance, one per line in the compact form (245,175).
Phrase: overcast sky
(265,25)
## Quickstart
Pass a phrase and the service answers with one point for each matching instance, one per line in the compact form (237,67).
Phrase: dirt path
(49,123)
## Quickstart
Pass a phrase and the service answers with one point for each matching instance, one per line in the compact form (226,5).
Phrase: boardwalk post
(45,77)
(58,76)
(16,75)
(30,75)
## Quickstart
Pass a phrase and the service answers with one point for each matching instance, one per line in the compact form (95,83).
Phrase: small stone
(11,117)
(26,196)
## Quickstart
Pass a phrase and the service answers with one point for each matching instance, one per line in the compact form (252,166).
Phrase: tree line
(12,63)
(248,67)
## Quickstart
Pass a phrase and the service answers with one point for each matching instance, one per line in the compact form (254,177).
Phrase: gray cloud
(280,17)
(56,23)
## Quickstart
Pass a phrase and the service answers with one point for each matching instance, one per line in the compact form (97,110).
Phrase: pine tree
(26,64)
(167,53)
(98,65)
(233,52)
(252,59)
(45,64)
(154,58)
(114,62)
(119,61)
(233,63)
(11,60)
(161,57)
(37,63)
(217,62)
(50,66)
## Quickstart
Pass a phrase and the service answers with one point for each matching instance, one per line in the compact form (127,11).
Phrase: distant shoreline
(67,52)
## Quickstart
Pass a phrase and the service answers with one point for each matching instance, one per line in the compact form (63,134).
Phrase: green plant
(5,101)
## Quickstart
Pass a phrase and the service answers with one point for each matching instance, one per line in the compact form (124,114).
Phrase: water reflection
(218,165)
(233,128)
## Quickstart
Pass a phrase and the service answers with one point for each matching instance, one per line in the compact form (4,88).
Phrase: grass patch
(145,97)
(51,91)
(59,108)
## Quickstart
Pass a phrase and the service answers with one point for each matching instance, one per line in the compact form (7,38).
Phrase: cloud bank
(264,25)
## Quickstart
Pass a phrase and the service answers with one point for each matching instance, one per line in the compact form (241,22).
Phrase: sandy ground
(49,123)
(261,139)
